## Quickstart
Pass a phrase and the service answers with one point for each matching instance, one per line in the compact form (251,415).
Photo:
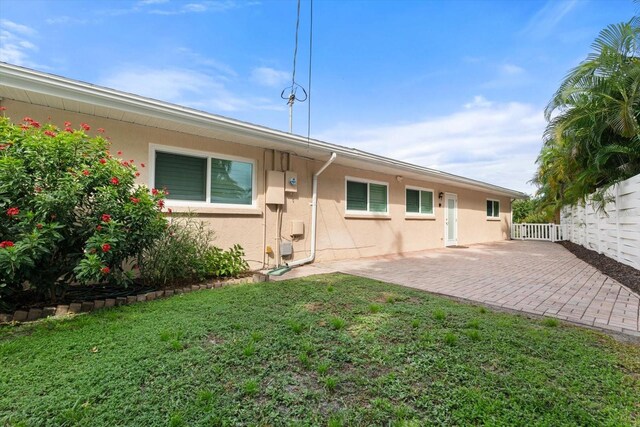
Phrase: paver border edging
(23,316)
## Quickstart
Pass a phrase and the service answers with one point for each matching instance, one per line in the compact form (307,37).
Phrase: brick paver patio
(540,278)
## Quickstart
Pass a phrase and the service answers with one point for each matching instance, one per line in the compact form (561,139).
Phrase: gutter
(314,215)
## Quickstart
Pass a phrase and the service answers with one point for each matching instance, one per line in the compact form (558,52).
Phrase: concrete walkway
(540,278)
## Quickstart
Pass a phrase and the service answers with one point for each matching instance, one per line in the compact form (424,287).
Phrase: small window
(493,209)
(419,201)
(364,196)
(205,179)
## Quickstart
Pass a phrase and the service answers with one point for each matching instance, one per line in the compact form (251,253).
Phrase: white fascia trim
(48,84)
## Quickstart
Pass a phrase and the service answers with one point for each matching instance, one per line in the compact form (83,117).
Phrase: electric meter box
(275,188)
(291,182)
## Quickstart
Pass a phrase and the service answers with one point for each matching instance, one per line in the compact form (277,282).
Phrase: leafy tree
(530,211)
(592,139)
(69,210)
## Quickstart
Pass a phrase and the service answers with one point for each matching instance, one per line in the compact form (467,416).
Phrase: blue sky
(459,86)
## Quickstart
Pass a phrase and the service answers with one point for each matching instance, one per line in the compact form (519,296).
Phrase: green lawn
(325,350)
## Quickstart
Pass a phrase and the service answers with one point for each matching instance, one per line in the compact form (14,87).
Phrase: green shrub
(221,263)
(179,254)
(185,252)
(69,210)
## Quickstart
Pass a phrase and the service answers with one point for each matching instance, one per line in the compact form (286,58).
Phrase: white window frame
(495,217)
(153,148)
(420,214)
(368,211)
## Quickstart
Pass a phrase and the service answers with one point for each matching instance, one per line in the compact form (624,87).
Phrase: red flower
(6,244)
(24,127)
(106,247)
(3,146)
(103,161)
(142,164)
(119,153)
(154,191)
(27,119)
(161,204)
(85,172)
(125,164)
(135,200)
(99,228)
(67,124)
(101,130)
(13,211)
(85,126)
(50,133)
(115,181)
(68,129)
(169,210)
(3,108)
(39,226)
(105,270)
(106,217)
(35,124)
(137,173)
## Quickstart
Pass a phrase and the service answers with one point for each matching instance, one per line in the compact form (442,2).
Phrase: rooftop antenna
(293,96)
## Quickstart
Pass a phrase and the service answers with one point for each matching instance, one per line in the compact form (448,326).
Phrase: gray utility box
(286,249)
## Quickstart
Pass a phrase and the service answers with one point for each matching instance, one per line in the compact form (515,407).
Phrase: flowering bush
(69,211)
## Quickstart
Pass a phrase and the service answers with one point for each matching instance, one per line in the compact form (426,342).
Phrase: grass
(233,356)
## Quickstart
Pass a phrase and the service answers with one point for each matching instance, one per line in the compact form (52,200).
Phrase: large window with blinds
(205,178)
(418,201)
(364,196)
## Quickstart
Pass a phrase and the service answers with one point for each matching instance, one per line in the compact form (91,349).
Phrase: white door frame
(447,240)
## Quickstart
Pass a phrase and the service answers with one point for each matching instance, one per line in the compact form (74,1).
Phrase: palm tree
(592,139)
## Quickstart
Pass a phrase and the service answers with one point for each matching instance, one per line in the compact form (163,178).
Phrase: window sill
(366,215)
(420,217)
(493,219)
(214,210)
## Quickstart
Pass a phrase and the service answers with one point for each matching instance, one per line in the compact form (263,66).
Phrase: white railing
(550,232)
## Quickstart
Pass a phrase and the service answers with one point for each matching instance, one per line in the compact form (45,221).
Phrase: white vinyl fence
(614,232)
(526,231)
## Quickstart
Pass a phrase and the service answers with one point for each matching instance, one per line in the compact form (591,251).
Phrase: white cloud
(194,7)
(14,27)
(15,47)
(222,70)
(148,2)
(66,20)
(511,69)
(185,87)
(492,142)
(544,22)
(479,101)
(270,77)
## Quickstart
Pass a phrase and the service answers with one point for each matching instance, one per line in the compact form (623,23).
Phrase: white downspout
(314,215)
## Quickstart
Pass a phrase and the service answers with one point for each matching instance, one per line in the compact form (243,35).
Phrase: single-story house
(280,196)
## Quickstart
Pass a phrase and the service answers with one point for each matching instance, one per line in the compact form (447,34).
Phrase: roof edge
(54,85)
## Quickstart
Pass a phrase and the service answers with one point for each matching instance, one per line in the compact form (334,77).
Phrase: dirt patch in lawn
(625,274)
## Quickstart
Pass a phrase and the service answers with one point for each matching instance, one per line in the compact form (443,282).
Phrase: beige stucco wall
(339,236)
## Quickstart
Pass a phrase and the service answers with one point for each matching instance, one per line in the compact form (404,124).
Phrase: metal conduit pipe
(314,215)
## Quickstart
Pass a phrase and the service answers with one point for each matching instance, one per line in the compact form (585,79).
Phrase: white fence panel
(614,232)
(550,232)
